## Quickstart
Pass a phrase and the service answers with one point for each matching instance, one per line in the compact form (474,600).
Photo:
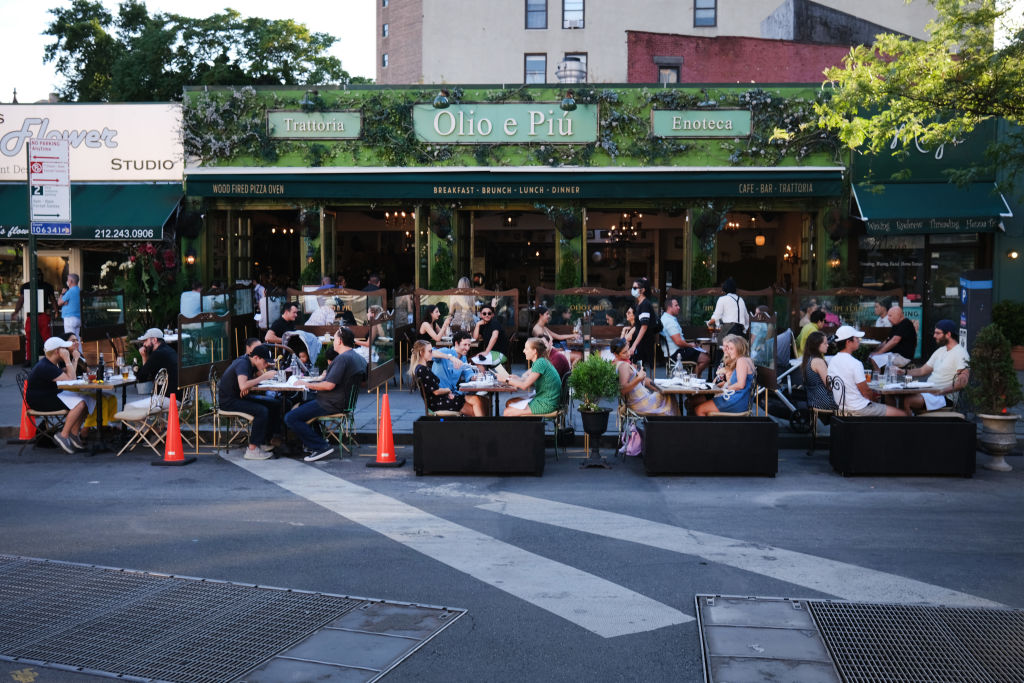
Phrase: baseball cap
(262,351)
(845,332)
(152,333)
(54,343)
(946,325)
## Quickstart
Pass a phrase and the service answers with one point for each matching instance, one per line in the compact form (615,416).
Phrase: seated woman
(438,397)
(42,394)
(735,376)
(630,328)
(430,330)
(815,372)
(641,394)
(541,329)
(109,399)
(542,374)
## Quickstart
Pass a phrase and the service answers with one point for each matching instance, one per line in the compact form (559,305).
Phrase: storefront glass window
(893,262)
(11,277)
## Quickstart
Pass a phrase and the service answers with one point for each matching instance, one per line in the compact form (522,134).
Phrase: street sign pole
(33,309)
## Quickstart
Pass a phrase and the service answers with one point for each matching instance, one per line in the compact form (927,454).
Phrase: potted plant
(592,380)
(1009,316)
(993,390)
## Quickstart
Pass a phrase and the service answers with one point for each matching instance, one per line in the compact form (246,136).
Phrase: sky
(22,41)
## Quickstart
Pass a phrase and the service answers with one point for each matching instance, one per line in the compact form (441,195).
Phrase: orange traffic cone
(385,440)
(27,432)
(173,452)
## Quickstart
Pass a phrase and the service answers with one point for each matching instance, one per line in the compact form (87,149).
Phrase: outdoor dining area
(570,354)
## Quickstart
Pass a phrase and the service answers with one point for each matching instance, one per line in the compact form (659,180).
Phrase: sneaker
(267,448)
(65,443)
(257,453)
(76,441)
(313,457)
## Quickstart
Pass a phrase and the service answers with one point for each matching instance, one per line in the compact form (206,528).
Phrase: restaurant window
(384,31)
(384,60)
(705,12)
(572,13)
(12,275)
(536,68)
(536,13)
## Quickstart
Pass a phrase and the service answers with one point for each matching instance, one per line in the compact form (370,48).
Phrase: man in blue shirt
(71,305)
(192,300)
(678,348)
(452,368)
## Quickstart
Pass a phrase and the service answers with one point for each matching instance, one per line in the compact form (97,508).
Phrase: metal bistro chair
(187,405)
(833,384)
(48,422)
(434,413)
(147,419)
(751,402)
(342,426)
(238,423)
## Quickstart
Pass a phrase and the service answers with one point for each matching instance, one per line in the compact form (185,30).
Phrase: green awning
(101,211)
(516,183)
(920,208)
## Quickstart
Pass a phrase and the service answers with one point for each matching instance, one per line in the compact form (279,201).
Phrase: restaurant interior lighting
(759,239)
(1013,254)
(190,256)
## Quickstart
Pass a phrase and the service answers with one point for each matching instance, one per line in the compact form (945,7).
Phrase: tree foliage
(932,91)
(135,56)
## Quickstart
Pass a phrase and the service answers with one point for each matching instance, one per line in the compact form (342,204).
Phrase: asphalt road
(578,575)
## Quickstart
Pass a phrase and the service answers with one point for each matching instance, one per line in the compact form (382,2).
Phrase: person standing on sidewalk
(332,394)
(71,302)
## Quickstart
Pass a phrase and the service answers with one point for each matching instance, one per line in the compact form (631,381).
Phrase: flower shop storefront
(513,187)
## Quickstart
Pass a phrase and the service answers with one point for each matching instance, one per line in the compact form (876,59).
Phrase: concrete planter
(711,445)
(902,445)
(998,439)
(478,445)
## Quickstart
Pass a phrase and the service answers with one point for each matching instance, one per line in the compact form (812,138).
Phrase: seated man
(452,368)
(678,348)
(43,395)
(490,333)
(332,395)
(157,355)
(947,369)
(233,395)
(902,344)
(853,396)
(816,323)
(286,323)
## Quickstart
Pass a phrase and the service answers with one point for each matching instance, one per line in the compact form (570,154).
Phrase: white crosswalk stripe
(834,578)
(600,606)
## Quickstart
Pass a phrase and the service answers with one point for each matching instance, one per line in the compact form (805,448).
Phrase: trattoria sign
(506,123)
(320,125)
(700,123)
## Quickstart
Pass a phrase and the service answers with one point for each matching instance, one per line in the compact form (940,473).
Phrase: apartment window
(384,31)
(668,74)
(384,60)
(536,69)
(536,13)
(383,3)
(572,13)
(705,12)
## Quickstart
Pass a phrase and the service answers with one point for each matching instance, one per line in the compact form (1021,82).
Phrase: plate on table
(920,385)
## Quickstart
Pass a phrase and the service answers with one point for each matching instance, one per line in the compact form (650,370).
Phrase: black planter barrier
(478,445)
(902,445)
(711,445)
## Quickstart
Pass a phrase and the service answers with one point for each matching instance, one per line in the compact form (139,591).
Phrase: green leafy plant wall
(227,127)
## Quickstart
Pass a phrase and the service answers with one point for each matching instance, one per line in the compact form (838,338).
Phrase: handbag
(632,441)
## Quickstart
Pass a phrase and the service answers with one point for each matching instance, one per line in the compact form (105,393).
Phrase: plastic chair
(342,426)
(147,420)
(238,423)
(48,423)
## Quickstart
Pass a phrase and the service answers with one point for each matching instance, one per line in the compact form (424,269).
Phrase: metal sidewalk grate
(143,626)
(886,642)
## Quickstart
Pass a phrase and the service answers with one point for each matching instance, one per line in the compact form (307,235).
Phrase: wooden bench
(902,445)
(478,445)
(711,445)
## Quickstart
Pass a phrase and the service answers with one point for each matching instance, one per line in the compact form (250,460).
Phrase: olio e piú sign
(701,123)
(505,123)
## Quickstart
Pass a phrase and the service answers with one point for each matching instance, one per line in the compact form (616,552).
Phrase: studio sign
(533,122)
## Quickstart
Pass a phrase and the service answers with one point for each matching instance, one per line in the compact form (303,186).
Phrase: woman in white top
(730,310)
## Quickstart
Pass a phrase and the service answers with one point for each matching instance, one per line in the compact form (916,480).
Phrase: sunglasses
(486,314)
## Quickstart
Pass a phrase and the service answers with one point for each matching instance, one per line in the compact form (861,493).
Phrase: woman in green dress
(542,376)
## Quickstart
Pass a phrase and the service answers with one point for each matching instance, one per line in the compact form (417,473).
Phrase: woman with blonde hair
(542,374)
(438,397)
(735,376)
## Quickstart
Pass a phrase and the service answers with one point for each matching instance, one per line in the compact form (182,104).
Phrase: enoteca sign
(505,123)
(108,142)
(701,123)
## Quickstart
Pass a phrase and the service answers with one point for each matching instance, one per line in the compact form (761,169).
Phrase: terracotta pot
(1017,353)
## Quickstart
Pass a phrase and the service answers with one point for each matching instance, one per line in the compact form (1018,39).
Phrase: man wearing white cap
(42,394)
(156,354)
(853,396)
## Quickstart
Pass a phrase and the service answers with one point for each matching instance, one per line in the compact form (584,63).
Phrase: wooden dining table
(494,389)
(284,390)
(96,389)
(682,389)
(900,390)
